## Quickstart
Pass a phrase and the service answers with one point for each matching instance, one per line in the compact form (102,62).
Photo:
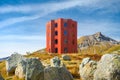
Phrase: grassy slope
(114,49)
(96,49)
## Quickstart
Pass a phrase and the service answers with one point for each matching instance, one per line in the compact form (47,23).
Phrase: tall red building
(61,36)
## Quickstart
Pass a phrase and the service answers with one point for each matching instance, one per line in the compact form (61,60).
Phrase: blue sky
(22,22)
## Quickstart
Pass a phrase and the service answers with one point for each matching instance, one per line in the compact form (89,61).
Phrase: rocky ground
(69,65)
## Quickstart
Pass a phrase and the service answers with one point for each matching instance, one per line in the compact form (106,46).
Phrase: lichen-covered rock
(1,78)
(21,69)
(57,73)
(87,69)
(30,69)
(66,57)
(34,70)
(108,68)
(12,61)
(56,62)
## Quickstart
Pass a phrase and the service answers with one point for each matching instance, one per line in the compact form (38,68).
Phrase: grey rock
(57,73)
(87,69)
(20,70)
(66,57)
(34,70)
(108,68)
(30,69)
(1,78)
(56,62)
(11,62)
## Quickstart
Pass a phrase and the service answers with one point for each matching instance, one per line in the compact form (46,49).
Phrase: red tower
(61,36)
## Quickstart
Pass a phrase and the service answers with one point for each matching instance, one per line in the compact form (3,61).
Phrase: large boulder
(57,73)
(21,69)
(12,61)
(108,68)
(66,57)
(1,78)
(30,69)
(87,69)
(56,62)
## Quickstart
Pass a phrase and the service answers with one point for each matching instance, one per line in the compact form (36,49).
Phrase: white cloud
(18,19)
(8,48)
(23,37)
(108,5)
(20,44)
(40,10)
(46,7)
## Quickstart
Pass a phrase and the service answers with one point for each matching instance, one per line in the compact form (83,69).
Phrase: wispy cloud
(20,44)
(23,37)
(55,6)
(14,20)
(40,10)
(8,48)
(46,7)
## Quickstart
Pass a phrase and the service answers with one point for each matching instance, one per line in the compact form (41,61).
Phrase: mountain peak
(98,34)
(95,39)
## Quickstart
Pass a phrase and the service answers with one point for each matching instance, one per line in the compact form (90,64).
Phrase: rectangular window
(56,50)
(65,24)
(56,24)
(56,41)
(65,32)
(56,32)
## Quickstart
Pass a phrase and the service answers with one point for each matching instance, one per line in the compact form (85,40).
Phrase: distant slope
(96,43)
(1,59)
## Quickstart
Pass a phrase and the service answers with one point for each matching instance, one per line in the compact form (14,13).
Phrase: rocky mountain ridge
(95,39)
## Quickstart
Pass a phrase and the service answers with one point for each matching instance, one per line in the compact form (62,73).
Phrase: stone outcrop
(21,68)
(34,70)
(56,62)
(66,57)
(30,69)
(57,73)
(87,69)
(12,61)
(108,68)
(1,78)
